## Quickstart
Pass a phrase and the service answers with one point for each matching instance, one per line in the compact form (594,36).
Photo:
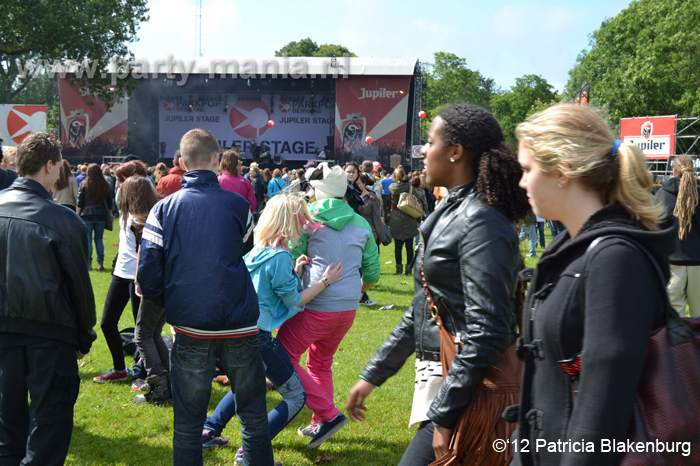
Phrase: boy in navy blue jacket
(191,261)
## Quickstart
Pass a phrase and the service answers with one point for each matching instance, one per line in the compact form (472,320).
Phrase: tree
(47,32)
(308,48)
(644,61)
(450,82)
(531,93)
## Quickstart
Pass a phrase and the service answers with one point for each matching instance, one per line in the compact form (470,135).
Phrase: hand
(301,263)
(356,398)
(335,274)
(441,441)
(79,355)
(137,289)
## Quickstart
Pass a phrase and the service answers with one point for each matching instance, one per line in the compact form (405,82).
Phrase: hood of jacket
(615,220)
(257,257)
(334,213)
(672,185)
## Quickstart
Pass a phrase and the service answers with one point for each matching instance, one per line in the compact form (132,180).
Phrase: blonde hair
(399,175)
(282,222)
(687,199)
(576,142)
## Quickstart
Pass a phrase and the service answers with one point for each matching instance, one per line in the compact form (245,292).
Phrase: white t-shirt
(126,261)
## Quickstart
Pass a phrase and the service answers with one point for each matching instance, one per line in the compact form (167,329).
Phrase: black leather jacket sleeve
(79,287)
(392,355)
(486,263)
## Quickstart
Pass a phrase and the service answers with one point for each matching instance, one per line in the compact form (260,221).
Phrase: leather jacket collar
(27,184)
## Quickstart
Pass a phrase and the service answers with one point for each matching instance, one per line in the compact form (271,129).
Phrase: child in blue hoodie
(277,283)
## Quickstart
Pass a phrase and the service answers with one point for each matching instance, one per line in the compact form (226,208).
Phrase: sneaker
(140,385)
(112,376)
(210,440)
(328,429)
(238,460)
(308,431)
(368,302)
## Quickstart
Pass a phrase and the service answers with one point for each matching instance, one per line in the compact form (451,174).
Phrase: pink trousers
(320,333)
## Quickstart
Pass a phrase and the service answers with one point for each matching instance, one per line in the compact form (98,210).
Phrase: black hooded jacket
(624,302)
(688,252)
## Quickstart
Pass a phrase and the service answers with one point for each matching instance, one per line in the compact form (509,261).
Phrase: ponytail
(633,189)
(687,199)
(497,182)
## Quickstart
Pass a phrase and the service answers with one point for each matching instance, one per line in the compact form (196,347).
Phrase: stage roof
(267,66)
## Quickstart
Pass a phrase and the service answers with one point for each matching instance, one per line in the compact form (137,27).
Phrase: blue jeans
(192,365)
(540,229)
(99,229)
(531,234)
(280,371)
(38,433)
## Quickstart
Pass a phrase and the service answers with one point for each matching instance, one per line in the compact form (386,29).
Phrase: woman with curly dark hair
(93,206)
(470,258)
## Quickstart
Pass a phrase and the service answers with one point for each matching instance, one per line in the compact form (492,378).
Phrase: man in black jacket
(47,310)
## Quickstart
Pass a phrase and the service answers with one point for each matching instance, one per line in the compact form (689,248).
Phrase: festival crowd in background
(252,267)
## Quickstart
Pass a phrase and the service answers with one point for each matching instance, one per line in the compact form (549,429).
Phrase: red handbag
(667,403)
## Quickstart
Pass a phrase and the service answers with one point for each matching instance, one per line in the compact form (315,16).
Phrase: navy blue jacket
(191,259)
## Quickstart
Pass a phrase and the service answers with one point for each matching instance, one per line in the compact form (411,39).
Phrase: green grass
(111,430)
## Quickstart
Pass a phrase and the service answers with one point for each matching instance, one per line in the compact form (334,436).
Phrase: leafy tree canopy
(450,82)
(644,61)
(62,30)
(308,48)
(530,94)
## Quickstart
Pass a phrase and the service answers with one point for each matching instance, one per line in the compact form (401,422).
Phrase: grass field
(111,430)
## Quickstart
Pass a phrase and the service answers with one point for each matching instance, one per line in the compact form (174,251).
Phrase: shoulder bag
(109,219)
(667,402)
(410,205)
(481,424)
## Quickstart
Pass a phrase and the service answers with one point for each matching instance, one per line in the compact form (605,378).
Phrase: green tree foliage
(530,94)
(45,32)
(450,82)
(645,61)
(308,48)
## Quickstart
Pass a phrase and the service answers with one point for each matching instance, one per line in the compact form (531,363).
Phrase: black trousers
(398,247)
(118,295)
(38,433)
(420,451)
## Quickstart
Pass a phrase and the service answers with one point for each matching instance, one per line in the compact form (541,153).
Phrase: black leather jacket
(471,263)
(47,292)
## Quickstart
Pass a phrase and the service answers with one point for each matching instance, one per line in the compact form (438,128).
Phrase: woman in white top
(121,289)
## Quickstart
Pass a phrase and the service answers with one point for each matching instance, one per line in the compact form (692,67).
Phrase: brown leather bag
(480,424)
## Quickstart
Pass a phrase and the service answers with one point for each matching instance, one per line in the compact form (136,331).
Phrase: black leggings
(420,451)
(120,290)
(398,246)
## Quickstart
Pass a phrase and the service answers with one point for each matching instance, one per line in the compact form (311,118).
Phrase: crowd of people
(228,254)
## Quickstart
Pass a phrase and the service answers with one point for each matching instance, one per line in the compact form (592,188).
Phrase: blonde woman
(590,315)
(679,195)
(277,283)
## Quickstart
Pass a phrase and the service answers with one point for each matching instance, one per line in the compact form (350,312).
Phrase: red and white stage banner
(301,122)
(656,136)
(82,123)
(18,121)
(375,107)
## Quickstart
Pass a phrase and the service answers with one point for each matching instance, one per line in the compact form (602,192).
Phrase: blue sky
(502,39)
